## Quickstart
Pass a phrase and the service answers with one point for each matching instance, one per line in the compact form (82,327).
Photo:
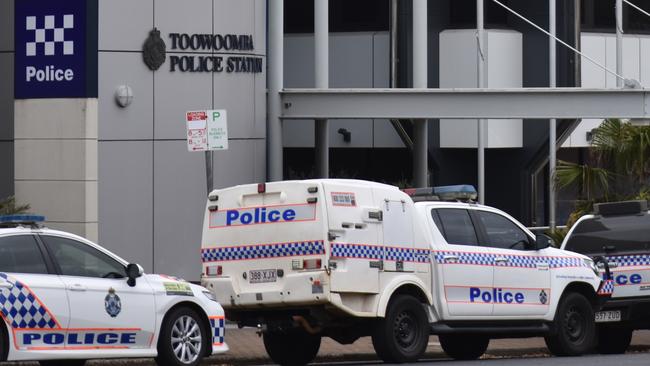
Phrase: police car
(347,258)
(619,232)
(64,300)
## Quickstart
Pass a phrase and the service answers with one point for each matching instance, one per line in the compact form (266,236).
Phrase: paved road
(638,359)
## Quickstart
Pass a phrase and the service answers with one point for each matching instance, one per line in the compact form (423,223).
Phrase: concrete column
(275,78)
(321,58)
(56,161)
(480,31)
(552,138)
(420,77)
(619,42)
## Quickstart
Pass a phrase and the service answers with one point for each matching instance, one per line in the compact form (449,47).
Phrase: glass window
(436,220)
(20,254)
(78,259)
(502,233)
(457,226)
(615,234)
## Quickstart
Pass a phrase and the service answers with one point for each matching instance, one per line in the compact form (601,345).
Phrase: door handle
(450,258)
(611,265)
(77,287)
(542,265)
(501,260)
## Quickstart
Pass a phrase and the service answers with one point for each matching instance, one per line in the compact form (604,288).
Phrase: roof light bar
(11,220)
(462,192)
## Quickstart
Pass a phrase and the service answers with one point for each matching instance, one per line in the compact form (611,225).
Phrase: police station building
(94,95)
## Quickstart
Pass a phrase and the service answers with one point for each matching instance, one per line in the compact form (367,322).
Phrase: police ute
(344,259)
(619,232)
(64,300)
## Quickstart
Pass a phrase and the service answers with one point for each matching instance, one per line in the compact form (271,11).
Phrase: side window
(501,232)
(20,254)
(78,259)
(457,226)
(436,220)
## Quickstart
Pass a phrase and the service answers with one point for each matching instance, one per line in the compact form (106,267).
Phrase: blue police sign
(52,49)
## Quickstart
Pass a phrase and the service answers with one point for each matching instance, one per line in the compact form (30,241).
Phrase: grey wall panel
(235,93)
(298,133)
(124,24)
(259,36)
(7,169)
(179,200)
(259,122)
(234,17)
(260,161)
(187,16)
(6,25)
(125,205)
(176,93)
(351,64)
(299,61)
(136,120)
(237,165)
(6,96)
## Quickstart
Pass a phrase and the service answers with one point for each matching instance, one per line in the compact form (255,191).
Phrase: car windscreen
(613,234)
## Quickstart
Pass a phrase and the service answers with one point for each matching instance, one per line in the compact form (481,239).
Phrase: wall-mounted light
(123,96)
(347,135)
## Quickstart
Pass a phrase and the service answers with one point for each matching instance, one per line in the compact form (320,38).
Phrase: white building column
(420,77)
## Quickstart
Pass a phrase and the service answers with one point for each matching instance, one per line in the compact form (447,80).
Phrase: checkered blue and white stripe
(218,330)
(22,309)
(49,35)
(363,251)
(260,251)
(630,260)
(607,288)
(521,261)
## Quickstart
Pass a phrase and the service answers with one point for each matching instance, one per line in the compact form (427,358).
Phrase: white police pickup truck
(620,233)
(347,258)
(64,300)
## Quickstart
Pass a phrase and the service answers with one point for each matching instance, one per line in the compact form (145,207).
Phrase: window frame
(55,262)
(49,264)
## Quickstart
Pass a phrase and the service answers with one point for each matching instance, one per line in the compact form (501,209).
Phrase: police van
(346,259)
(64,299)
(620,233)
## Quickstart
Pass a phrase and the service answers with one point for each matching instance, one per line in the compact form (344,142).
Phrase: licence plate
(608,316)
(262,276)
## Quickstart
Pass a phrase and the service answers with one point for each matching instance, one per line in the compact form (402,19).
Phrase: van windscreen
(603,235)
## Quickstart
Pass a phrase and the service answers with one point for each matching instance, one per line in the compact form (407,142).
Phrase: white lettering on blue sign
(262,215)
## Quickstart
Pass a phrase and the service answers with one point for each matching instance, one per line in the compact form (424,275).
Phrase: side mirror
(543,241)
(133,271)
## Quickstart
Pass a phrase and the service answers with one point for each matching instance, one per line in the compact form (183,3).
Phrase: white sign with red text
(207,130)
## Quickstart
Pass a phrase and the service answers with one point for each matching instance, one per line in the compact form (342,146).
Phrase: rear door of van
(267,240)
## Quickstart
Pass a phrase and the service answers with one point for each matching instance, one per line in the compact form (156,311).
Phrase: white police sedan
(64,300)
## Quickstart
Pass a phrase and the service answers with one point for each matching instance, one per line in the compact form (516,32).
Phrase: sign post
(207,130)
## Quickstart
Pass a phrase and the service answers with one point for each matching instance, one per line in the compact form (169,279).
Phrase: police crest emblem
(154,50)
(112,303)
(543,297)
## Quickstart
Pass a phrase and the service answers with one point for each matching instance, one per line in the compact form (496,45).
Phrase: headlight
(209,295)
(589,263)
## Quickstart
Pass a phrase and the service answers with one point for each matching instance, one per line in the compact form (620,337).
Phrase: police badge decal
(154,50)
(112,303)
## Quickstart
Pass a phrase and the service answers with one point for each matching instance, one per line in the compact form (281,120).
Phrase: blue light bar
(456,192)
(21,219)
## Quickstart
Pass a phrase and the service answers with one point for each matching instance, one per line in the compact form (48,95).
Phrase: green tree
(8,206)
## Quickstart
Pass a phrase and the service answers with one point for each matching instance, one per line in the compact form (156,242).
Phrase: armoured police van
(345,259)
(619,232)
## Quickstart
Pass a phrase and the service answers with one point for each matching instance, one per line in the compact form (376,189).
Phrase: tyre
(62,363)
(292,348)
(574,329)
(612,340)
(402,336)
(464,346)
(183,339)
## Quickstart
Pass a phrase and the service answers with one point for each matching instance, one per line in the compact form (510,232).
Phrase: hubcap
(186,339)
(405,330)
(574,324)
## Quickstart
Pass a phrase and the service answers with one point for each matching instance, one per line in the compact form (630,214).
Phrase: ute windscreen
(604,235)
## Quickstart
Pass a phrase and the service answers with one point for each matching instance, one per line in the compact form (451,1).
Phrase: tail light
(261,188)
(213,270)
(298,264)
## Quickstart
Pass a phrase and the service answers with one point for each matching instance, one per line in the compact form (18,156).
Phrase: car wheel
(402,336)
(464,346)
(62,363)
(183,339)
(612,340)
(291,348)
(574,329)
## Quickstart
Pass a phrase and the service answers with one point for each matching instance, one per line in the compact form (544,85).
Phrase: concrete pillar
(420,77)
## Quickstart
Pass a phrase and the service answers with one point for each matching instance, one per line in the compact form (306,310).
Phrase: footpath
(247,348)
